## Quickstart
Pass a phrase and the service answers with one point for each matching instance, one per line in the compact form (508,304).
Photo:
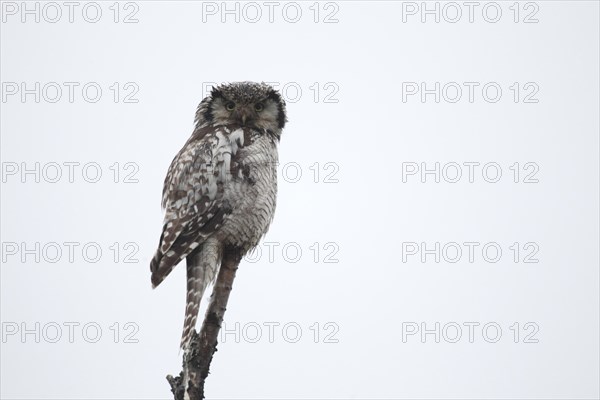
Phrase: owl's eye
(230,106)
(259,107)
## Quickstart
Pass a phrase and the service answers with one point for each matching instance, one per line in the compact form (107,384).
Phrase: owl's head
(250,104)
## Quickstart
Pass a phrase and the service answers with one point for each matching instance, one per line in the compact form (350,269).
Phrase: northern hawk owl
(220,190)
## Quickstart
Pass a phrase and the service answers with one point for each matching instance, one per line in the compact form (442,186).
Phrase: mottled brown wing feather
(193,196)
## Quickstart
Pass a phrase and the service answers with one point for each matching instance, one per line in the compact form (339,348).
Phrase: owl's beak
(244,115)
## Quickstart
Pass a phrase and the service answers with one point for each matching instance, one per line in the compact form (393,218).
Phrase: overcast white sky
(436,234)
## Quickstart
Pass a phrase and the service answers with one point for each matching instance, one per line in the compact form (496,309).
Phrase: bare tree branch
(198,356)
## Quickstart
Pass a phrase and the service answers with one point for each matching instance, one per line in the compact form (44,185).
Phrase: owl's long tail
(202,270)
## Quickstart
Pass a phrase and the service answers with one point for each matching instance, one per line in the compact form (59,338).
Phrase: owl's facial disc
(250,104)
(260,114)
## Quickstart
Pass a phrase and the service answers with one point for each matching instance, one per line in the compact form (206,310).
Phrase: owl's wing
(193,195)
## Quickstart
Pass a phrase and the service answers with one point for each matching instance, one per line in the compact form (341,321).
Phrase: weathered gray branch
(198,356)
